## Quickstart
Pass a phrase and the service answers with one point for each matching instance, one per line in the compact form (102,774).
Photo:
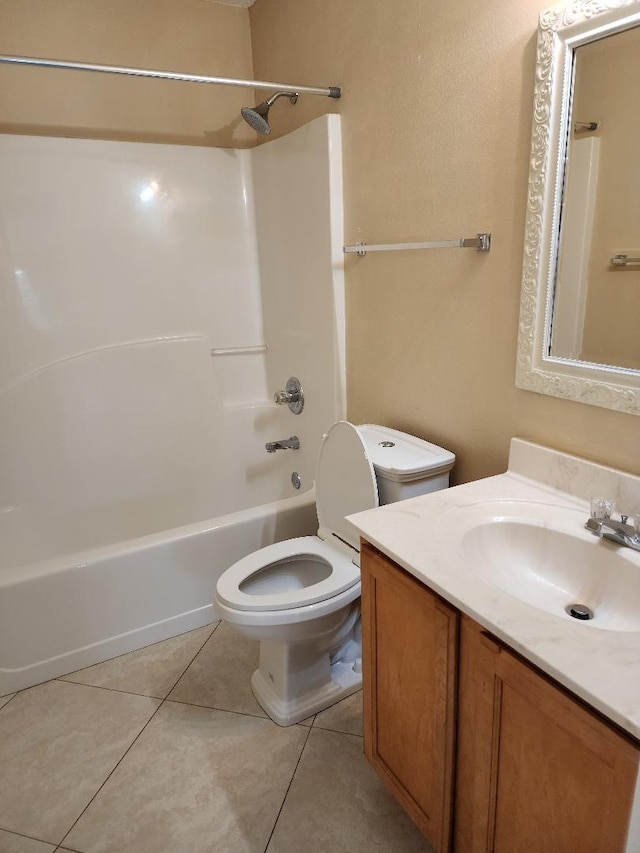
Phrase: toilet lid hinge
(330,536)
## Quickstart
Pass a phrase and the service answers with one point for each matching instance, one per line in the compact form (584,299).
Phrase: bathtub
(62,614)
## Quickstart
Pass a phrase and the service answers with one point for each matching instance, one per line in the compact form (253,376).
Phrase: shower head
(258,117)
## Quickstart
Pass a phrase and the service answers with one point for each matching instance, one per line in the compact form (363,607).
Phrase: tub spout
(291,443)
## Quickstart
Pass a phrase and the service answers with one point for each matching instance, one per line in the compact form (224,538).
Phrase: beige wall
(194,36)
(606,72)
(436,123)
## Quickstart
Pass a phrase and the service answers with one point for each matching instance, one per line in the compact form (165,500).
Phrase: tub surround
(137,390)
(602,667)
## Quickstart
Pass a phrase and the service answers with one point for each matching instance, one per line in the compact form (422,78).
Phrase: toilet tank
(405,466)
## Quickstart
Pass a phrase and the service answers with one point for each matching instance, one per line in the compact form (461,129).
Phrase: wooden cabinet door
(409,675)
(537,771)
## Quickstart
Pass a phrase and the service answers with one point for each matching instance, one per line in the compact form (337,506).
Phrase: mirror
(579,335)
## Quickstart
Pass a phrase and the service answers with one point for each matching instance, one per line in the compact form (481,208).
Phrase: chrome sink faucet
(291,443)
(621,532)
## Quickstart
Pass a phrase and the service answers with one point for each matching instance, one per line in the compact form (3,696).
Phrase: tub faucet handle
(292,396)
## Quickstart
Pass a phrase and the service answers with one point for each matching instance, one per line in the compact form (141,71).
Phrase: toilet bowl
(301,598)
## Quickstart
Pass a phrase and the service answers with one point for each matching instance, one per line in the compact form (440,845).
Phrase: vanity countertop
(600,666)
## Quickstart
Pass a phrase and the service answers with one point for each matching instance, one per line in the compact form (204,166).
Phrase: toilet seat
(342,574)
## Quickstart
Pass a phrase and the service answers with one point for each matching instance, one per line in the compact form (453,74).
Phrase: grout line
(133,651)
(135,740)
(109,689)
(286,793)
(30,837)
(215,627)
(122,757)
(66,680)
(162,700)
(337,731)
(223,710)
(161,703)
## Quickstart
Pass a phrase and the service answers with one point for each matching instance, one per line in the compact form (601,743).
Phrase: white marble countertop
(600,666)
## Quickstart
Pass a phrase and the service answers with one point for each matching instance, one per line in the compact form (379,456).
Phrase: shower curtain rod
(330,91)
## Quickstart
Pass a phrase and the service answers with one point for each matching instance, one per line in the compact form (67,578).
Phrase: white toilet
(301,597)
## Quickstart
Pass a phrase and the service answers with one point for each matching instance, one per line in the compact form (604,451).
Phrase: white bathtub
(62,614)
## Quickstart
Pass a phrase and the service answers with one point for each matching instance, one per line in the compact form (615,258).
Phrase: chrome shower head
(258,117)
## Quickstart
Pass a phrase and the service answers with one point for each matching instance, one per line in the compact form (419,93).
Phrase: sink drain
(579,611)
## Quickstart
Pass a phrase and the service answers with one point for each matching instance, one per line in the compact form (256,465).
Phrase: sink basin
(542,555)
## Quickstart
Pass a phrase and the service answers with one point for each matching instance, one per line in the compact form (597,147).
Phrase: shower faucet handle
(292,396)
(281,397)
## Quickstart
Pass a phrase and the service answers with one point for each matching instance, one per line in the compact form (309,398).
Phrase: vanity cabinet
(482,750)
(409,682)
(536,769)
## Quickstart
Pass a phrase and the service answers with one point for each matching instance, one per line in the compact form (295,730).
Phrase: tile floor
(165,750)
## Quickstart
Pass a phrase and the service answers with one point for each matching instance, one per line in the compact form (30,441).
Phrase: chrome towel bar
(622,260)
(481,242)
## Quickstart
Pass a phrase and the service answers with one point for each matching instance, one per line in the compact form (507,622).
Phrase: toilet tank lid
(408,458)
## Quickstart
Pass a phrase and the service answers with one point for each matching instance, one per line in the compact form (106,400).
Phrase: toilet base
(343,680)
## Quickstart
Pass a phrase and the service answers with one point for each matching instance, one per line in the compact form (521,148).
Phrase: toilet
(301,598)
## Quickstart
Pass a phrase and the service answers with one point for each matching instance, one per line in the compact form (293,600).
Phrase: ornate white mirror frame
(561,30)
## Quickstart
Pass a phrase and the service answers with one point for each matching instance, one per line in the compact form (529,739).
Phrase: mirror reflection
(596,312)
